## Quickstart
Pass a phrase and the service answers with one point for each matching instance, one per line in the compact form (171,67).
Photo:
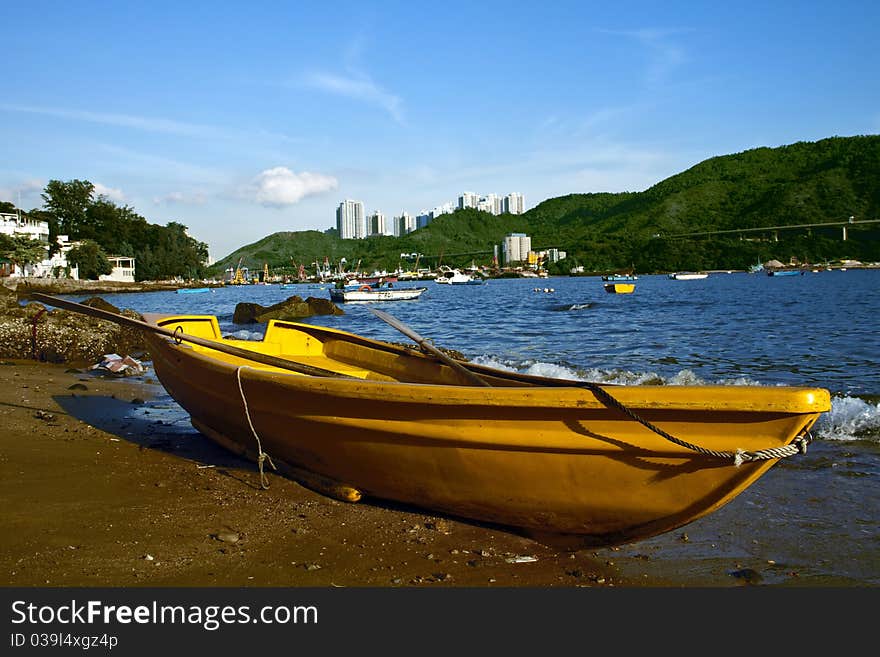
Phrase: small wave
(850,418)
(566,307)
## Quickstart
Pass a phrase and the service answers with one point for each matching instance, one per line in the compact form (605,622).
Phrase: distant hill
(806,182)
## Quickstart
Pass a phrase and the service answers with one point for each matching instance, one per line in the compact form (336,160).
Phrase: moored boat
(785,272)
(561,461)
(687,276)
(369,293)
(620,288)
(450,276)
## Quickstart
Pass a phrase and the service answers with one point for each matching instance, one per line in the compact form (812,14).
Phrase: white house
(14,224)
(123,270)
(56,265)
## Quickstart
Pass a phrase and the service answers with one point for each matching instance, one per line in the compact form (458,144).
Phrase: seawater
(811,520)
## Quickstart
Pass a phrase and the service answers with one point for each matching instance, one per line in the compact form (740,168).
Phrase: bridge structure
(844,225)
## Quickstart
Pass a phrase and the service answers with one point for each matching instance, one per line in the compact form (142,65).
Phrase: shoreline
(106,484)
(97,497)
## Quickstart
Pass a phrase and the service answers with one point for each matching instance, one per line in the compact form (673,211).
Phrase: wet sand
(94,497)
(104,482)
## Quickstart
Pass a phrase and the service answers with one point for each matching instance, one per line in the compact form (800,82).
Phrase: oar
(266,359)
(427,346)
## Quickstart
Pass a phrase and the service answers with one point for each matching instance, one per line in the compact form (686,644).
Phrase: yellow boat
(620,288)
(568,463)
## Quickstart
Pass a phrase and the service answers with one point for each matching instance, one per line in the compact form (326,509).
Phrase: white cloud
(280,186)
(181,198)
(27,191)
(360,88)
(109,192)
(148,124)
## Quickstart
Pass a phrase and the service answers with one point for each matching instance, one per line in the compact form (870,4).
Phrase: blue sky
(239,120)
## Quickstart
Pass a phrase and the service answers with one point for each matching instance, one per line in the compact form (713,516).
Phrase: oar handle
(427,346)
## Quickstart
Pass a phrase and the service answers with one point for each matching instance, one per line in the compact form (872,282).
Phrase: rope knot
(261,455)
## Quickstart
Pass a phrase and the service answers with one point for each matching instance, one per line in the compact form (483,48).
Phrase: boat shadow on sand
(156,424)
(160,424)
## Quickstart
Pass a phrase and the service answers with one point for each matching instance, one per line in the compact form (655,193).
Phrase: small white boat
(457,277)
(686,276)
(367,293)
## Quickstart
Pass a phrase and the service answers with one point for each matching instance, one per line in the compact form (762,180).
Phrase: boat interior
(340,352)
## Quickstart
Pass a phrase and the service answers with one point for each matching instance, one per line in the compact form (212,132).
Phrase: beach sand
(95,497)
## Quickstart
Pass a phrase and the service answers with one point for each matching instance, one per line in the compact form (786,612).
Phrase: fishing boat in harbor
(369,293)
(450,276)
(620,288)
(565,462)
(687,276)
(785,272)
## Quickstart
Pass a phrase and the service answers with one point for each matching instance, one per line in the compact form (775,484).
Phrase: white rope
(261,455)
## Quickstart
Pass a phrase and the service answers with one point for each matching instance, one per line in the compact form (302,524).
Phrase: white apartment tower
(514,203)
(351,221)
(490,203)
(468,200)
(516,247)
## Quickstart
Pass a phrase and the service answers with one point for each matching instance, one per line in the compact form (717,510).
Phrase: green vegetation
(807,182)
(823,182)
(90,259)
(161,252)
(20,250)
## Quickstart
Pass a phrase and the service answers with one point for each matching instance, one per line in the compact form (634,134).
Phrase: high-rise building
(376,224)
(516,247)
(514,203)
(468,200)
(350,220)
(489,203)
(405,223)
(423,219)
(446,208)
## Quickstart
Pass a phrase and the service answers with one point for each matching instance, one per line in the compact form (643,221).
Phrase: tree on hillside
(90,259)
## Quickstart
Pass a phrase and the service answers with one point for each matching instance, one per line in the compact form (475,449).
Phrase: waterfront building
(351,221)
(123,270)
(54,265)
(516,248)
(555,255)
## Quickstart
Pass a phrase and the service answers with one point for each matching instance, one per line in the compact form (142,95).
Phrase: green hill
(803,183)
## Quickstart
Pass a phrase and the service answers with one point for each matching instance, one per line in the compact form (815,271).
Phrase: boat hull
(687,277)
(620,288)
(367,293)
(553,463)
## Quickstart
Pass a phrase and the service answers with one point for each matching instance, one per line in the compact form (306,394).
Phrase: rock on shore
(35,332)
(290,309)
